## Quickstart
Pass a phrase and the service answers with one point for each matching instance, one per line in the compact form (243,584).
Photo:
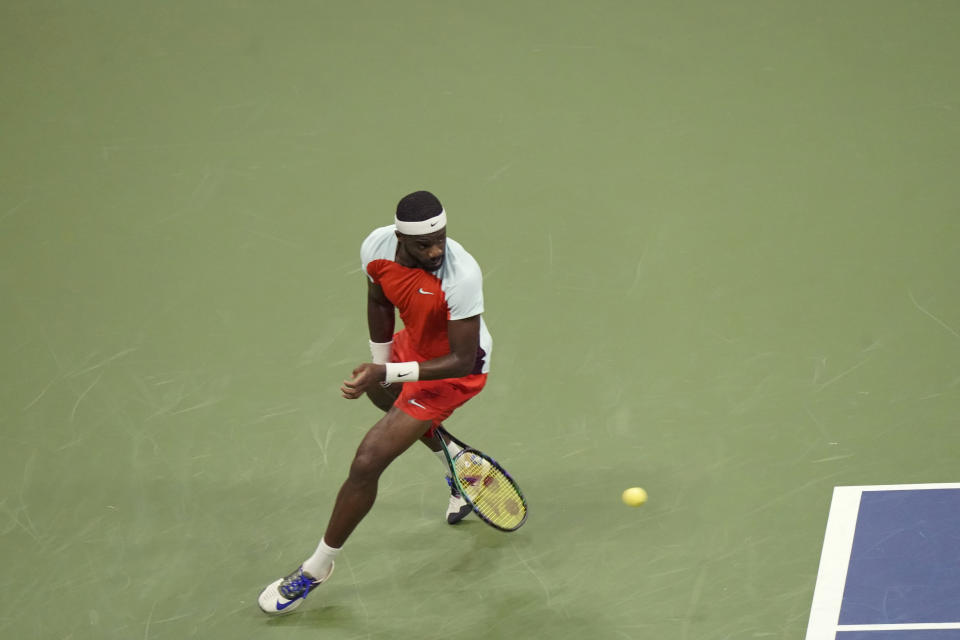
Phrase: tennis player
(418,376)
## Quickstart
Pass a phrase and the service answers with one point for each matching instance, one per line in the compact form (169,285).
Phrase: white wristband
(381,351)
(402,371)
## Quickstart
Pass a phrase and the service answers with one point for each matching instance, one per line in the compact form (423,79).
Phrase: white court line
(920,626)
(835,559)
(906,487)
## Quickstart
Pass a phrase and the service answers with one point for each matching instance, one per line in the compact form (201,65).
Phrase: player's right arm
(380,314)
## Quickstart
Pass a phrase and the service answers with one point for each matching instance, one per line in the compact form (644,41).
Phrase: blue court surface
(890,568)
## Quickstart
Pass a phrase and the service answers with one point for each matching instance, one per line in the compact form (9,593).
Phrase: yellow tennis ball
(634,496)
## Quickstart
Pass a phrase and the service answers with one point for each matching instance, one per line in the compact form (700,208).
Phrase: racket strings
(490,491)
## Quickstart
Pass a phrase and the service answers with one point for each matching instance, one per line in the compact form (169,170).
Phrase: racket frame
(440,432)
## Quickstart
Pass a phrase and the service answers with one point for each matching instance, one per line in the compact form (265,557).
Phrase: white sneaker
(286,594)
(458,509)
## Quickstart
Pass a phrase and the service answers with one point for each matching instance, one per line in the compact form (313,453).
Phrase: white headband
(422,227)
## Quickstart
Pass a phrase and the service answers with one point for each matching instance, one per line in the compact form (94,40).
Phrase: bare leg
(386,440)
(384,397)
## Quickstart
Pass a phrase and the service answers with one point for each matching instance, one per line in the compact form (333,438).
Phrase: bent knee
(368,464)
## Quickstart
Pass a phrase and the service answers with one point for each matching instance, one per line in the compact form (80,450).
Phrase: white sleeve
(465,292)
(366,255)
(373,247)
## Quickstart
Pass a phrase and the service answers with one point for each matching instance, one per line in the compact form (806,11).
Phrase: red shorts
(433,400)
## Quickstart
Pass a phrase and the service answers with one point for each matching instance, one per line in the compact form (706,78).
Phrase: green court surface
(721,245)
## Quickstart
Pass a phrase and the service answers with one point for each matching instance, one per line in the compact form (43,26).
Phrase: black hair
(419,205)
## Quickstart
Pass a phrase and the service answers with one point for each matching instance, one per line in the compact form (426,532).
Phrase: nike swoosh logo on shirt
(426,293)
(417,404)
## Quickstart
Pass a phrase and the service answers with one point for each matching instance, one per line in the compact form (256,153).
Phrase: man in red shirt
(418,376)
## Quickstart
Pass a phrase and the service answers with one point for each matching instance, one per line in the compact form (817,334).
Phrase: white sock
(443,462)
(453,448)
(318,565)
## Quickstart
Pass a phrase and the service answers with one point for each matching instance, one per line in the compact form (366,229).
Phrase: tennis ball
(634,496)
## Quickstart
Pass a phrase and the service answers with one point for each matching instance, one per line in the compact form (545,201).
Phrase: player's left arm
(464,338)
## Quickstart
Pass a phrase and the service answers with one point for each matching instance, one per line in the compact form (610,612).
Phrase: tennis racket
(487,486)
